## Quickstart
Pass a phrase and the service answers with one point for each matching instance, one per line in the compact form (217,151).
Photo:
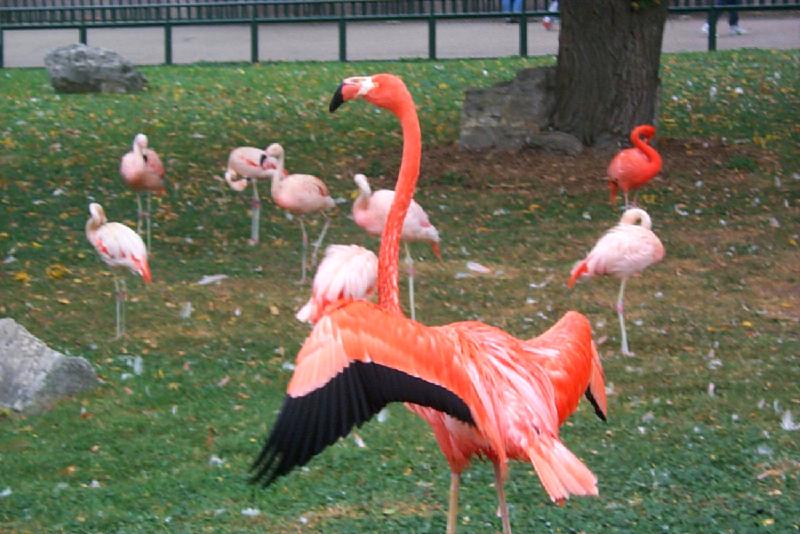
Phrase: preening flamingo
(299,194)
(142,171)
(119,247)
(625,250)
(346,273)
(245,165)
(631,168)
(361,356)
(370,211)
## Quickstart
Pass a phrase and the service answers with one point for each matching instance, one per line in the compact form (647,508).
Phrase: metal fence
(87,14)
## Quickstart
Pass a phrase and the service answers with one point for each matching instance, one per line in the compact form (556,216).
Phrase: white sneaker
(704,29)
(736,30)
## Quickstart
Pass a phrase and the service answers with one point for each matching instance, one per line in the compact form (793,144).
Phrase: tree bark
(607,80)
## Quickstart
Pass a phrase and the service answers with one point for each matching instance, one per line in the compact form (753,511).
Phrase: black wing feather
(596,406)
(307,425)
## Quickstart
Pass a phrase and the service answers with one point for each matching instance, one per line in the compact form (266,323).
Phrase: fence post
(712,27)
(1,48)
(168,38)
(253,35)
(523,31)
(82,34)
(342,34)
(432,29)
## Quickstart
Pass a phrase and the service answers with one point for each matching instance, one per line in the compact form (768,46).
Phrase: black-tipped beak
(337,100)
(262,160)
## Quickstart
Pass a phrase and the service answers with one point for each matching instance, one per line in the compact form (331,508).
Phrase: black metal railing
(84,15)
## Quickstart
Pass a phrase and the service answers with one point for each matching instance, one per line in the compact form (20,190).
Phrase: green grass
(722,307)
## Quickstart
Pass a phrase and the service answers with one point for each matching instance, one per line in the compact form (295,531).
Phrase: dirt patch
(529,169)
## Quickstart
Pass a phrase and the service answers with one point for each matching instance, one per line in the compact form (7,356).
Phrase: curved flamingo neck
(652,155)
(277,178)
(389,254)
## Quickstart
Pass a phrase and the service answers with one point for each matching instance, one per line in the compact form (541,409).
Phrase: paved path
(371,40)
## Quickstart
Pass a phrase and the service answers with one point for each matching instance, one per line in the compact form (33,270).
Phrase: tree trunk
(607,73)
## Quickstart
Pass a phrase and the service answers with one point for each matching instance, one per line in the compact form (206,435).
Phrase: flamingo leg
(255,213)
(139,213)
(318,242)
(625,194)
(502,507)
(410,268)
(147,217)
(621,314)
(120,292)
(305,249)
(452,512)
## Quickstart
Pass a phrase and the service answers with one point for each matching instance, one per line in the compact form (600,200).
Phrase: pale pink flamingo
(142,171)
(119,247)
(245,165)
(299,194)
(361,356)
(370,211)
(624,251)
(633,167)
(346,273)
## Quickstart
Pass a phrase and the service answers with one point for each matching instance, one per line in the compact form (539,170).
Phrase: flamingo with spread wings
(361,356)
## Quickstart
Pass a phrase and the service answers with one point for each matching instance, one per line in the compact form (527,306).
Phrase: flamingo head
(140,140)
(380,89)
(362,183)
(269,163)
(237,183)
(636,215)
(275,150)
(645,130)
(97,213)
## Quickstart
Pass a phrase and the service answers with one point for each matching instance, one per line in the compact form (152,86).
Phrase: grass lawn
(167,450)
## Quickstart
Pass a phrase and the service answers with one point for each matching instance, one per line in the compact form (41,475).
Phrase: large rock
(32,375)
(79,68)
(506,115)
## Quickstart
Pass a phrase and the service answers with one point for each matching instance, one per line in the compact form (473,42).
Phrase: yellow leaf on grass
(56,271)
(274,310)
(23,277)
(63,300)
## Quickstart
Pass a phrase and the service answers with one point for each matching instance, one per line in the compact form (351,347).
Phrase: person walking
(733,18)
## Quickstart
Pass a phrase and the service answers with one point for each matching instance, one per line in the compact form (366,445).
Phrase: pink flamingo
(142,171)
(119,247)
(299,194)
(245,165)
(370,211)
(361,356)
(346,273)
(625,250)
(631,168)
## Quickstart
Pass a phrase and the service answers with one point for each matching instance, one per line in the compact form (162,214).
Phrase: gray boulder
(506,115)
(78,68)
(32,375)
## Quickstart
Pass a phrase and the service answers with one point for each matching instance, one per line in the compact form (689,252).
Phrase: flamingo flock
(483,392)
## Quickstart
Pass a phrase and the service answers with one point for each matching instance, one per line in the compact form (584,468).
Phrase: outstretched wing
(358,359)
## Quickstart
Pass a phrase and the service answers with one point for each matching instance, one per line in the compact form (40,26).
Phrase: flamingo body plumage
(346,273)
(631,168)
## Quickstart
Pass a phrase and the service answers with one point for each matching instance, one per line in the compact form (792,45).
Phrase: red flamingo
(631,168)
(119,247)
(370,211)
(361,356)
(624,251)
(142,171)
